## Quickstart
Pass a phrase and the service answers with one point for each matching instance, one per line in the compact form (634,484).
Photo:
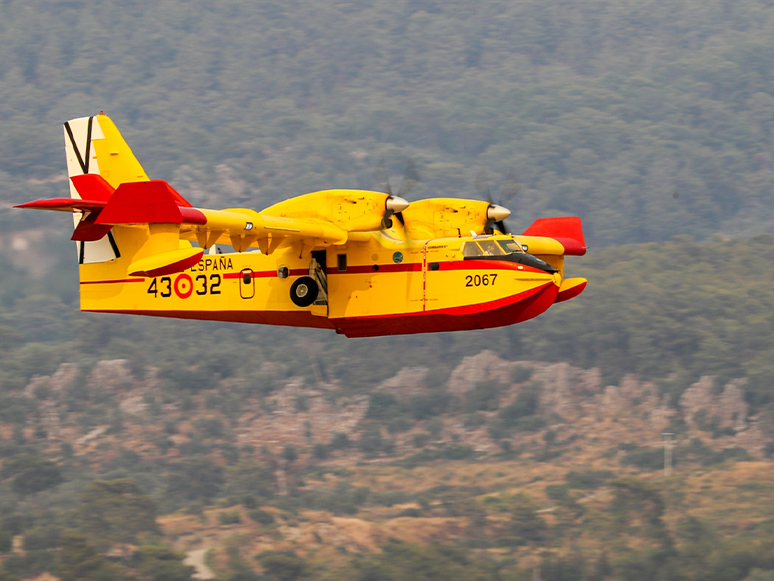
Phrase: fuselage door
(318,270)
(430,267)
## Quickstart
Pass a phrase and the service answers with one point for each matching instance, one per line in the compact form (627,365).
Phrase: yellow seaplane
(362,263)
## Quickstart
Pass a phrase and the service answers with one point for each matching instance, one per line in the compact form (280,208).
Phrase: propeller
(396,204)
(497,213)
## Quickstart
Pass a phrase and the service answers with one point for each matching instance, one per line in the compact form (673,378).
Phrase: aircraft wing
(156,202)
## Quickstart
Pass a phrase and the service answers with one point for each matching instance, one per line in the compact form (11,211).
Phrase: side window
(511,246)
(471,249)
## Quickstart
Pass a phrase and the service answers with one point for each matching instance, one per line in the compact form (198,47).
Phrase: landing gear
(317,272)
(304,291)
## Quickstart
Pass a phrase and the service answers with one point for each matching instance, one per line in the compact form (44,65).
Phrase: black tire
(304,291)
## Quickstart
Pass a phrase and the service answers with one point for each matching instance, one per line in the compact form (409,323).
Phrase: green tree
(156,563)
(526,525)
(79,561)
(283,566)
(31,474)
(193,479)
(117,511)
(401,561)
(290,453)
(250,477)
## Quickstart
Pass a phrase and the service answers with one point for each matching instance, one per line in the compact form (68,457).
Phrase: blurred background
(144,449)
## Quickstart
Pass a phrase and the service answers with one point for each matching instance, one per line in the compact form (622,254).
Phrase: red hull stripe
(526,307)
(521,308)
(283,318)
(491,305)
(570,293)
(454,311)
(112,281)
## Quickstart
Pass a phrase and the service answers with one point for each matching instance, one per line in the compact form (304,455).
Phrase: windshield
(510,246)
(491,248)
(472,249)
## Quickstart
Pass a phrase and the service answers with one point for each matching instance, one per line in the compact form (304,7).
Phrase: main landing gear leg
(317,273)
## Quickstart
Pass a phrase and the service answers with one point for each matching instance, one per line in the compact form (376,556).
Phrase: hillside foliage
(670,312)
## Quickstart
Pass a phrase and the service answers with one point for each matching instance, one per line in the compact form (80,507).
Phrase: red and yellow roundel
(183,286)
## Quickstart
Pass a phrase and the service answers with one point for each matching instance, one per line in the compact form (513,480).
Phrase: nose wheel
(304,291)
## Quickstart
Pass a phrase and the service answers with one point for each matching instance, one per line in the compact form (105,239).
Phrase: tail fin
(93,145)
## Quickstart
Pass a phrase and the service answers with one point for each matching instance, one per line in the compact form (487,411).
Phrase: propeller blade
(482,186)
(410,178)
(399,216)
(382,178)
(501,226)
(511,187)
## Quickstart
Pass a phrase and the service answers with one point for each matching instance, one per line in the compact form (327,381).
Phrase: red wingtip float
(362,263)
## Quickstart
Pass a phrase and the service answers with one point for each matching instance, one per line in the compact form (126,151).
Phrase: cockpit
(487,248)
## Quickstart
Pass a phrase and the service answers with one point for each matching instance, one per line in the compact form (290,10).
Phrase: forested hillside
(278,454)
(670,312)
(285,454)
(648,119)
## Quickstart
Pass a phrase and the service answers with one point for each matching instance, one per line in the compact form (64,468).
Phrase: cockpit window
(472,249)
(511,246)
(491,248)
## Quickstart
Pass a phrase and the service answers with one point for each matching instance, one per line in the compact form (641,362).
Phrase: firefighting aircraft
(363,263)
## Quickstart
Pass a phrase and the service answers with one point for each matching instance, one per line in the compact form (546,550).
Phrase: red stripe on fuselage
(394,268)
(112,281)
(448,265)
(369,268)
(488,265)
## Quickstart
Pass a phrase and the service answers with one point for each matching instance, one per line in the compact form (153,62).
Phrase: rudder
(93,145)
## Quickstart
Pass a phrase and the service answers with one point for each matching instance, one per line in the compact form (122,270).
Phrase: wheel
(304,291)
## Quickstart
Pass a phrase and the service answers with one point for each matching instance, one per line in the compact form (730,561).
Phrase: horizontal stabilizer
(151,202)
(567,230)
(63,205)
(166,262)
